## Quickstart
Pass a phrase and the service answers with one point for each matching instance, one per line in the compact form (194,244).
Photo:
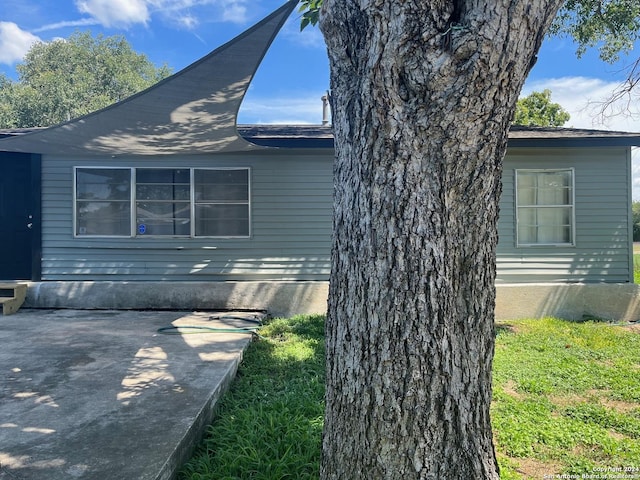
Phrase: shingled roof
(319,136)
(192,111)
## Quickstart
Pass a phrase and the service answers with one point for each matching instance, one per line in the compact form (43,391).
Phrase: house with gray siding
(163,201)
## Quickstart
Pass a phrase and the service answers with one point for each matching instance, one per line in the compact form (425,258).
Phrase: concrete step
(12,297)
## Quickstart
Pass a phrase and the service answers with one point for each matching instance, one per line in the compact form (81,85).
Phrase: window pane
(162,192)
(103,184)
(222,202)
(545,188)
(554,188)
(549,225)
(527,187)
(158,227)
(103,218)
(222,185)
(103,201)
(163,218)
(222,220)
(162,175)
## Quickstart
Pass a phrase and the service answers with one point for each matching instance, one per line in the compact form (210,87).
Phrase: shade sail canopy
(193,111)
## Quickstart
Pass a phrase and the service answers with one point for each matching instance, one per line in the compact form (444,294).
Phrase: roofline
(321,136)
(574,142)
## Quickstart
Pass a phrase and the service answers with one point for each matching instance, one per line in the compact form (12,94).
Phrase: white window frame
(133,230)
(572,206)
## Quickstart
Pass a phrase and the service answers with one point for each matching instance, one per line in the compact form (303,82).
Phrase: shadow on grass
(504,328)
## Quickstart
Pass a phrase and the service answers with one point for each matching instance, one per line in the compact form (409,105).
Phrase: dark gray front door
(20,244)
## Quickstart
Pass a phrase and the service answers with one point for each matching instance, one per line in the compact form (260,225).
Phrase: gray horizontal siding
(602,243)
(290,231)
(291,224)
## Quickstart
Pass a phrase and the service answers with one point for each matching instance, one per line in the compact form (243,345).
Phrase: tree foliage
(635,208)
(538,110)
(612,26)
(65,79)
(310,10)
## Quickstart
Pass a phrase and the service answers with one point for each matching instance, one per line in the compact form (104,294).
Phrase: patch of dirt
(587,451)
(615,435)
(535,469)
(632,327)
(568,399)
(510,389)
(594,393)
(594,396)
(619,405)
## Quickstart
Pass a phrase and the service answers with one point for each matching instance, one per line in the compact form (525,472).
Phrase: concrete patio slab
(102,395)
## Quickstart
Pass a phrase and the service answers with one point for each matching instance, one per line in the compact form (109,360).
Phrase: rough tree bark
(423,92)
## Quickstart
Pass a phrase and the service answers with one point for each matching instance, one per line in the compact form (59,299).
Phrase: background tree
(538,110)
(68,78)
(613,27)
(8,117)
(422,94)
(635,208)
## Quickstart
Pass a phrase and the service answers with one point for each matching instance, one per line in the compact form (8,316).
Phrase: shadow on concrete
(101,394)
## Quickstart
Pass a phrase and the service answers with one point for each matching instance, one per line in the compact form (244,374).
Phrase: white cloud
(582,97)
(300,109)
(14,42)
(115,13)
(235,12)
(83,22)
(184,13)
(188,22)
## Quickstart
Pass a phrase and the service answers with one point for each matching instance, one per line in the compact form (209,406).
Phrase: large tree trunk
(423,92)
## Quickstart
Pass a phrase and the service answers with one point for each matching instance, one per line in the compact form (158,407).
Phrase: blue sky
(294,74)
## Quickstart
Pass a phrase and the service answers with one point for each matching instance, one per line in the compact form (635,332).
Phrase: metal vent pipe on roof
(325,109)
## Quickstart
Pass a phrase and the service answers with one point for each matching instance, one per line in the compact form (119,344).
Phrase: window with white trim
(545,207)
(164,202)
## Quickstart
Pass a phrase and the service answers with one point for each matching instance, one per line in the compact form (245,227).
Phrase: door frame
(34,208)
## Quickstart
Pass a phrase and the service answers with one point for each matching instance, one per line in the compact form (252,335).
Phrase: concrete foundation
(280,299)
(606,301)
(620,302)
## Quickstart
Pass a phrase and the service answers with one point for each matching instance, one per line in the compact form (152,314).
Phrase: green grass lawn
(636,266)
(566,400)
